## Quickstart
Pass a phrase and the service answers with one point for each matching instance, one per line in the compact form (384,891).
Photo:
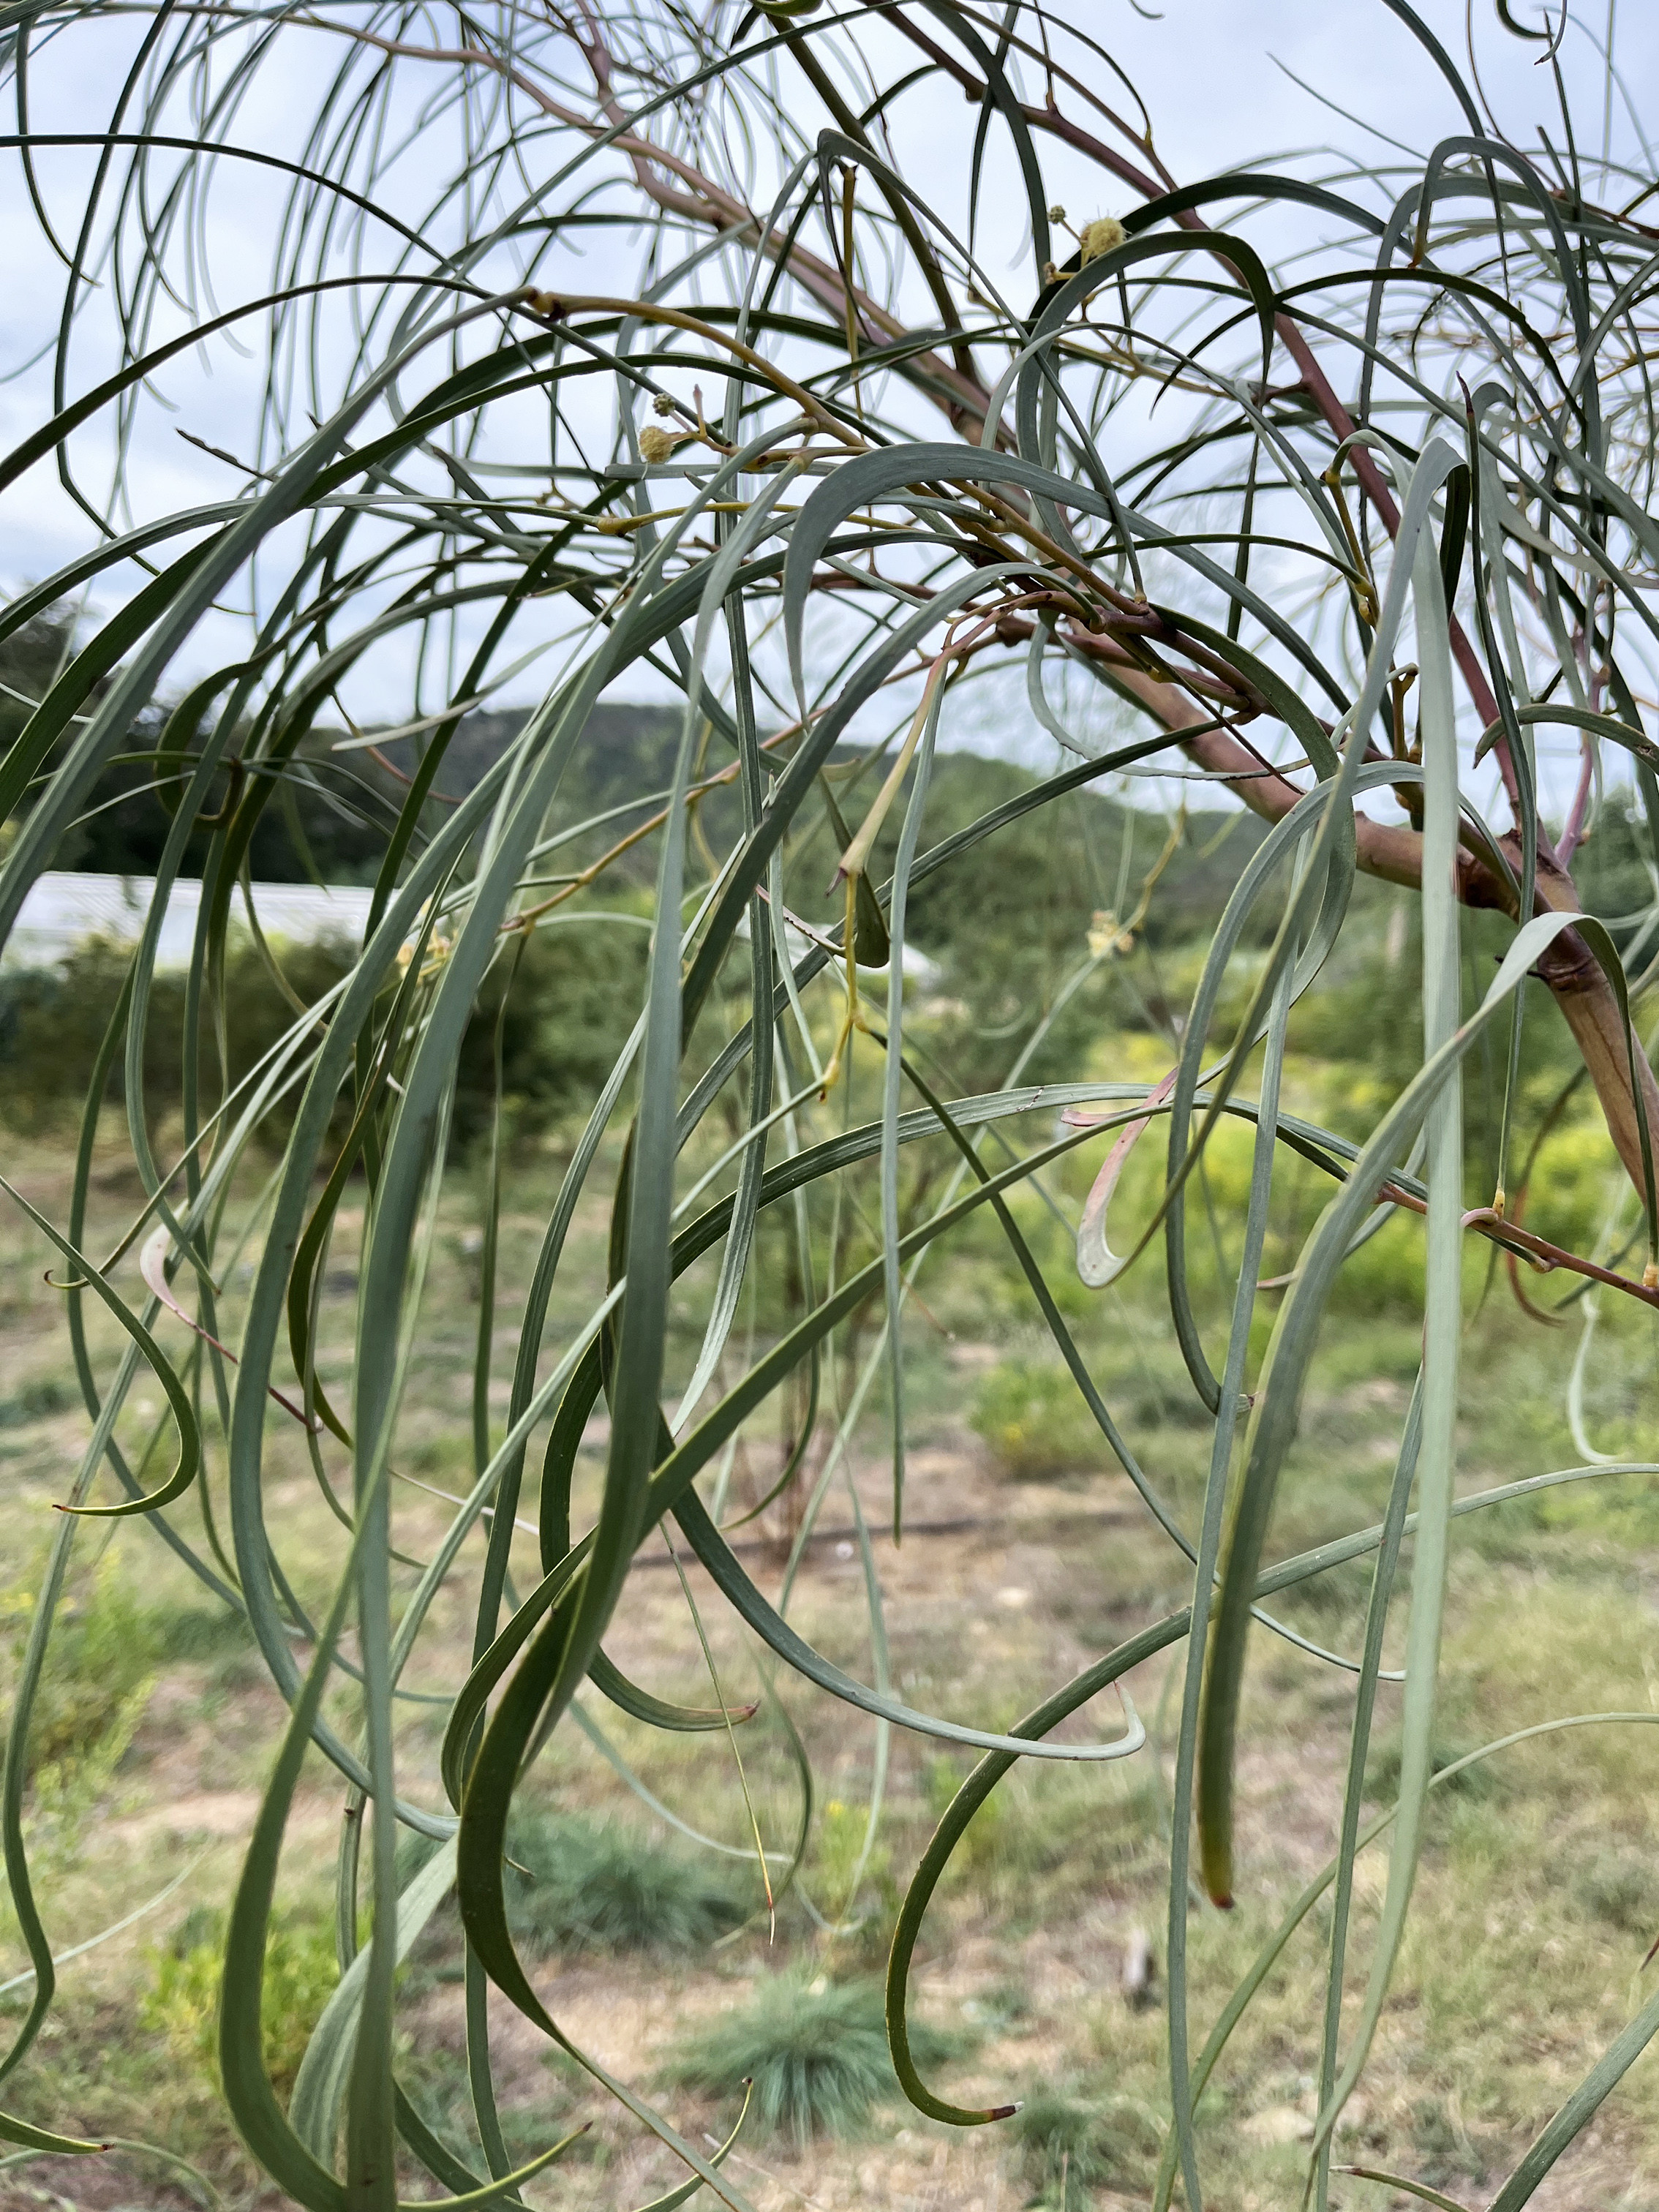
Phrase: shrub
(995,1839)
(182,2001)
(1033,1418)
(817,2054)
(840,1840)
(102,1657)
(569,1012)
(53,1021)
(571,1005)
(590,1887)
(1386,1274)
(1041,1835)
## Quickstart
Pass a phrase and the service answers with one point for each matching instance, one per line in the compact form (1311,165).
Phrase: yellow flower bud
(1108,934)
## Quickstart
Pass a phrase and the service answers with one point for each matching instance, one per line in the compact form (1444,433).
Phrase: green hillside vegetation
(1009,922)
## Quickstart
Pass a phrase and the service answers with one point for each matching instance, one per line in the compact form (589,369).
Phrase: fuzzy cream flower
(1100,236)
(657,444)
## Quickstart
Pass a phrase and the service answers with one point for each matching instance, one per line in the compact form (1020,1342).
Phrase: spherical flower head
(1100,236)
(1107,935)
(657,444)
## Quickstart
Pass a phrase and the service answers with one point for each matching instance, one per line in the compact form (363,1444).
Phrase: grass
(1383,1770)
(436,2078)
(1547,1618)
(1617,1887)
(1445,2154)
(600,1886)
(104,1652)
(817,2053)
(1070,2146)
(36,1402)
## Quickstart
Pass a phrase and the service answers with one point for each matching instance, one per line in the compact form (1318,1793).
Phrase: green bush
(840,1840)
(588,1886)
(53,1021)
(574,992)
(1387,1274)
(182,2001)
(103,1653)
(816,2053)
(1032,1417)
(996,1840)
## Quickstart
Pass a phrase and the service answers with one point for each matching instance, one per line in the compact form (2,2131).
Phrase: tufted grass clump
(815,2051)
(1069,2148)
(1619,1887)
(38,1400)
(1476,1783)
(600,1886)
(547,2108)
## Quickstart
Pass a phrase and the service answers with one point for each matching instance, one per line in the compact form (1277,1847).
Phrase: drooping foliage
(743,357)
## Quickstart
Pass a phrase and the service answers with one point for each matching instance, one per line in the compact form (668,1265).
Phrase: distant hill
(1064,864)
(999,917)
(1004,918)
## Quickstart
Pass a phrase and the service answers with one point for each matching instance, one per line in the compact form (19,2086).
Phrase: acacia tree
(809,450)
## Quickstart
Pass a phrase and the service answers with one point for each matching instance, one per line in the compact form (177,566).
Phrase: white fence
(63,910)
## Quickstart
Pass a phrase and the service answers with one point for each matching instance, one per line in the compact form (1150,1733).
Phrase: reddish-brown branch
(1394,852)
(705,203)
(1336,415)
(1314,380)
(1575,979)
